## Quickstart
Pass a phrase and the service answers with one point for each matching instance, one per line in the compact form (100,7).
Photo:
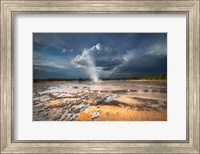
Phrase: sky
(98,55)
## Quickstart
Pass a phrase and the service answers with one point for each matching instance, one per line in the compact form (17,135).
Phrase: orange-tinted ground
(106,101)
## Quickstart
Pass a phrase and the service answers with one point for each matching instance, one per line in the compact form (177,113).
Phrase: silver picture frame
(9,8)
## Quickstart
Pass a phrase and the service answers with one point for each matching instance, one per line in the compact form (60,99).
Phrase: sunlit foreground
(103,101)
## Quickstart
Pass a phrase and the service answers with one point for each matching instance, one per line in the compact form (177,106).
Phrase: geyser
(87,60)
(102,60)
(92,70)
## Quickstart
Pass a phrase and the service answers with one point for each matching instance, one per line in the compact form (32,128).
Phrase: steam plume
(101,59)
(92,69)
(87,60)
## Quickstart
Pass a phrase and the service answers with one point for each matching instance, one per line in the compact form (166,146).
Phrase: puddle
(120,91)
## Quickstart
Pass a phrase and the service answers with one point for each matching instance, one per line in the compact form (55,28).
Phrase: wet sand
(104,101)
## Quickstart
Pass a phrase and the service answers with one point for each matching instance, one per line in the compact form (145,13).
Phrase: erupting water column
(92,69)
(87,59)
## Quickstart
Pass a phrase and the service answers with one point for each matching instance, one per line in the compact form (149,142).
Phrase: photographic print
(99,76)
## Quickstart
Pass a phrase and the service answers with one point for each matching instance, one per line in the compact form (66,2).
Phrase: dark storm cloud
(158,48)
(103,57)
(68,55)
(118,61)
(144,64)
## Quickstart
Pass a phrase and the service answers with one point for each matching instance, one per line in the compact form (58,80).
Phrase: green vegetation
(60,79)
(155,76)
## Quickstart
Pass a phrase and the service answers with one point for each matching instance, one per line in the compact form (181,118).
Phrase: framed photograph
(99,76)
(111,81)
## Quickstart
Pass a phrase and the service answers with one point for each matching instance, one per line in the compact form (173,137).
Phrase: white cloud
(157,49)
(102,60)
(103,57)
(63,50)
(37,68)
